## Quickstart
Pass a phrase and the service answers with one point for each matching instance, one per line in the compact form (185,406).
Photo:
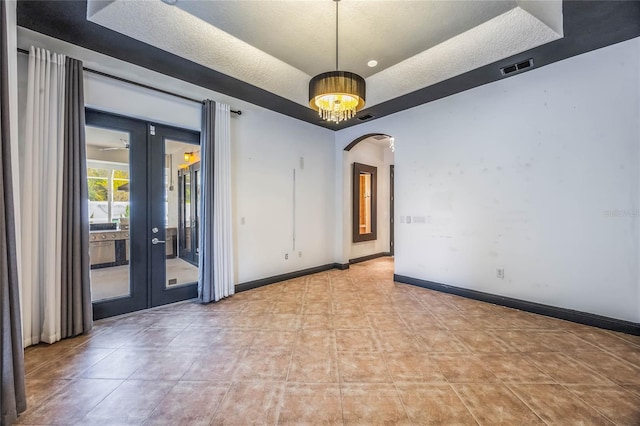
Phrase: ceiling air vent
(516,68)
(365,117)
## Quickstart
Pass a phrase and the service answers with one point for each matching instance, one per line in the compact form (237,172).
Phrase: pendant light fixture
(337,95)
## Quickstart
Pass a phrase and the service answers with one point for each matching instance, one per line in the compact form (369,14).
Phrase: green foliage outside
(98,181)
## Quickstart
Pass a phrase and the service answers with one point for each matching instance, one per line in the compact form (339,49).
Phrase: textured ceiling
(302,33)
(279,45)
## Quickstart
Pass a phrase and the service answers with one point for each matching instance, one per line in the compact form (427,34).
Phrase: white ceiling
(380,141)
(105,138)
(279,45)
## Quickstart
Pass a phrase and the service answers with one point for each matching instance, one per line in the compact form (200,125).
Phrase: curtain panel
(12,392)
(41,182)
(55,241)
(76,309)
(215,272)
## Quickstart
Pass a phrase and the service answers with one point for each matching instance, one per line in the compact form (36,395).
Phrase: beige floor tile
(614,402)
(165,365)
(420,320)
(313,367)
(322,307)
(632,357)
(191,338)
(566,369)
(36,356)
(527,341)
(130,403)
(251,320)
(556,405)
(356,341)
(482,341)
(231,338)
(311,404)
(316,340)
(119,364)
(189,403)
(290,322)
(386,321)
(627,337)
(317,321)
(412,367)
(346,306)
(39,390)
(633,388)
(371,404)
(434,404)
(251,403)
(258,365)
(113,337)
(350,321)
(610,367)
(439,341)
(71,365)
(216,365)
(362,367)
(463,368)
(458,321)
(153,338)
(514,368)
(397,341)
(71,403)
(287,307)
(607,340)
(495,404)
(274,340)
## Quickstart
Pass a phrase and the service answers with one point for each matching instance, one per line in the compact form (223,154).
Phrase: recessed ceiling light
(372,63)
(170,2)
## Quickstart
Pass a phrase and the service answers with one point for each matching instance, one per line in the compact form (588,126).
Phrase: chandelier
(337,95)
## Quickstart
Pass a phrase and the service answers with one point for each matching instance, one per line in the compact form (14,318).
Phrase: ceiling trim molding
(588,25)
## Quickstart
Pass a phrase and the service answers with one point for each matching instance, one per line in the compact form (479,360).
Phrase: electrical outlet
(500,273)
(286,256)
(299,254)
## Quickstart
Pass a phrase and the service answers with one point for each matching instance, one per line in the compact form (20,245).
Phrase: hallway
(338,347)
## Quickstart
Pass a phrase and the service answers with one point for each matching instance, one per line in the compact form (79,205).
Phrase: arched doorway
(371,153)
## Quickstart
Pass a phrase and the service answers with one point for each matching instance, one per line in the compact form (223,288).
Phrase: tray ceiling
(279,45)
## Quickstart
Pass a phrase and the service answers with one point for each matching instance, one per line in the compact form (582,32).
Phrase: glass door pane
(108,183)
(196,212)
(181,267)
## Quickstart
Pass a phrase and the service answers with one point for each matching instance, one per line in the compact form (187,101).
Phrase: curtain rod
(135,83)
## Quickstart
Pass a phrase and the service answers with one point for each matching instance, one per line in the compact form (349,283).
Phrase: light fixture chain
(337,1)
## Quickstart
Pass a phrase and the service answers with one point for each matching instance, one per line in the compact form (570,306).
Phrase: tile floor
(107,283)
(339,347)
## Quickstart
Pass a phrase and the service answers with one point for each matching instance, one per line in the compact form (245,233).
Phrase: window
(108,186)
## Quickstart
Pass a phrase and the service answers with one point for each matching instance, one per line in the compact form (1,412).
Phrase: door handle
(155,241)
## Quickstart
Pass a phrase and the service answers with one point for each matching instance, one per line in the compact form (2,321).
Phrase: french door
(136,241)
